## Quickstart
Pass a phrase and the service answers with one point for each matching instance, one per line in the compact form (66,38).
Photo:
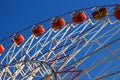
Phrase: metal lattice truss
(74,52)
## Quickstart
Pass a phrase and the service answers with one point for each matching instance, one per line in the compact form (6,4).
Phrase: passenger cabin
(102,12)
(1,48)
(117,12)
(38,30)
(78,17)
(57,23)
(18,39)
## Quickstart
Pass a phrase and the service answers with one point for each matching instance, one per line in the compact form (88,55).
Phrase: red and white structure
(85,47)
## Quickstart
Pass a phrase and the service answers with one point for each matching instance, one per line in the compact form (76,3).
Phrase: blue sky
(16,15)
(19,14)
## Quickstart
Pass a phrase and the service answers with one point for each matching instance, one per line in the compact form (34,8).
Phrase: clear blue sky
(16,15)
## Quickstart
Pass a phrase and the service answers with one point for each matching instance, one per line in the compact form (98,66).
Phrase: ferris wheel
(82,44)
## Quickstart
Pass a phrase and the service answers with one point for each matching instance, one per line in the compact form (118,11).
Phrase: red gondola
(117,12)
(18,39)
(38,30)
(58,23)
(78,17)
(1,48)
(102,12)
